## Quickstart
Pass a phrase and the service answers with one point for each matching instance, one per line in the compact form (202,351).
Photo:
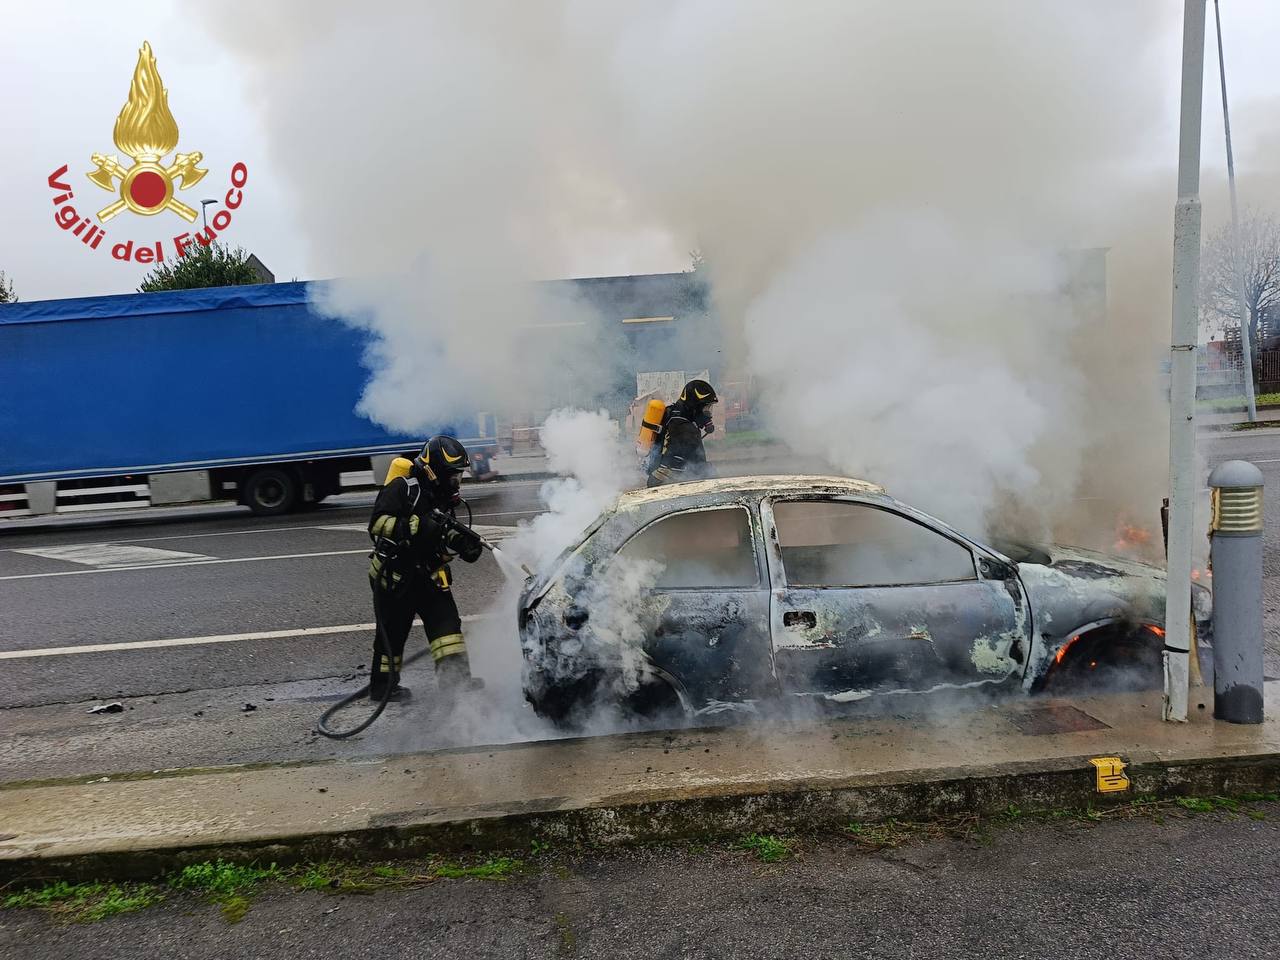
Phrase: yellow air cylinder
(399,467)
(650,423)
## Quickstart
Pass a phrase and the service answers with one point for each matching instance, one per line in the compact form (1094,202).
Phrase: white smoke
(593,465)
(882,192)
(905,393)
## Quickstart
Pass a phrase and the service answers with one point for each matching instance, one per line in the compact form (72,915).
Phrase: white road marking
(199,641)
(343,527)
(111,555)
(222,533)
(189,563)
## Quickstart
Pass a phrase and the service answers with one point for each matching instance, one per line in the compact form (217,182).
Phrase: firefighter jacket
(681,455)
(406,540)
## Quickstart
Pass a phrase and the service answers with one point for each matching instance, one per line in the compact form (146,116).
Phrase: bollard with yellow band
(1236,555)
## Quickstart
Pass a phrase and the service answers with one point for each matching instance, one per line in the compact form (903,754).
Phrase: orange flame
(1131,538)
(1057,657)
(145,127)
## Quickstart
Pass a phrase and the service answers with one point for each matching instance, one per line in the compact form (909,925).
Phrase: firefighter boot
(384,673)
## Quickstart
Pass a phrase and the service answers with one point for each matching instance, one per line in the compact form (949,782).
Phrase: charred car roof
(748,485)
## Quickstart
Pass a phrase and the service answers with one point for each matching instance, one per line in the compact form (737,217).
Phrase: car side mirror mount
(993,569)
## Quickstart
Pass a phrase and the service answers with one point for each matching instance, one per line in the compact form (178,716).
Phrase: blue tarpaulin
(189,379)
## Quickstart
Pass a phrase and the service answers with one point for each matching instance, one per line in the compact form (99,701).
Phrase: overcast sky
(65,70)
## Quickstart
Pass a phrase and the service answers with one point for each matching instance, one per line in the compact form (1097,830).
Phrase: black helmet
(441,464)
(697,395)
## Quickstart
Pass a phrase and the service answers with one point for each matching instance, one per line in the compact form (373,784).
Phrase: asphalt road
(1193,886)
(174,580)
(215,573)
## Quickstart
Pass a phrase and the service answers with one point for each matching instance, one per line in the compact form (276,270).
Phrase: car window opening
(699,549)
(836,544)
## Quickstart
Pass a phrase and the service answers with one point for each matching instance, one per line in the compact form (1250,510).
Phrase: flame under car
(730,594)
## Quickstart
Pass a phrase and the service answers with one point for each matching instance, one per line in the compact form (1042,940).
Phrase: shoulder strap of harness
(415,491)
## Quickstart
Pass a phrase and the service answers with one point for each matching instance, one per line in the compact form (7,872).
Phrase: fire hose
(322,725)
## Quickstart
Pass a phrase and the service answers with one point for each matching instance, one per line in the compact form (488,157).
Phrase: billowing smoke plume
(884,194)
(593,465)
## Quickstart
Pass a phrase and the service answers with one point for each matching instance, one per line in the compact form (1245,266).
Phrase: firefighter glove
(466,544)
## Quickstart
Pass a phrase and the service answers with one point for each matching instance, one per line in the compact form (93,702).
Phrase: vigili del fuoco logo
(146,133)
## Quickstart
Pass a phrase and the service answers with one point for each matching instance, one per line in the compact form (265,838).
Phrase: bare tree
(1258,258)
(6,290)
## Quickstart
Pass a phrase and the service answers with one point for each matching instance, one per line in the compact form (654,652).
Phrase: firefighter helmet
(698,393)
(442,456)
(440,466)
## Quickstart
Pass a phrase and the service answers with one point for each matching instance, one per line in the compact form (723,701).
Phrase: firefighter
(409,567)
(680,454)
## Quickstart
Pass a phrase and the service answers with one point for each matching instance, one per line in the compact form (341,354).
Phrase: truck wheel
(270,492)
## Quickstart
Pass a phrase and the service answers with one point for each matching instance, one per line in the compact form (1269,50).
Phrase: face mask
(445,491)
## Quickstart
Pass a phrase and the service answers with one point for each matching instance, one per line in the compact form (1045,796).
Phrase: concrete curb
(716,811)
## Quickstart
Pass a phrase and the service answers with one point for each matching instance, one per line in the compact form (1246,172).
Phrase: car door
(708,609)
(865,598)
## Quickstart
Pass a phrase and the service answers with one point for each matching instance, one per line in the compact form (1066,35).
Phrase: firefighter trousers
(427,597)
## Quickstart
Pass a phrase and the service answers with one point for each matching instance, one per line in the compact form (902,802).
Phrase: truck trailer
(244,393)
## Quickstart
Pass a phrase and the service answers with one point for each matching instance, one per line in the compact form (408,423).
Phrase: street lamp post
(204,213)
(1182,357)
(1237,254)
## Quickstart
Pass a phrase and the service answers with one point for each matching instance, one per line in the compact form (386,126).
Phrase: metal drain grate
(1053,718)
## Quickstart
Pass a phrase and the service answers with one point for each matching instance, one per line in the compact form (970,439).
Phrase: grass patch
(499,868)
(234,908)
(742,438)
(1256,425)
(221,879)
(229,885)
(337,877)
(1259,798)
(1229,404)
(568,939)
(85,902)
(766,847)
(1208,804)
(891,833)
(317,876)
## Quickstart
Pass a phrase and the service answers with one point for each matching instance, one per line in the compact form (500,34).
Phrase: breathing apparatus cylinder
(650,424)
(399,467)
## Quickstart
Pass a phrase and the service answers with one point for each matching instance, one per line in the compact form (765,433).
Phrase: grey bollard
(1236,555)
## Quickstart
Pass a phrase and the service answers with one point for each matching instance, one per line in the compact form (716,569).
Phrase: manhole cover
(1054,718)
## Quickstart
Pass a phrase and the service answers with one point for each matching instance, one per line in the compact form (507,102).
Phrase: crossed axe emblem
(182,173)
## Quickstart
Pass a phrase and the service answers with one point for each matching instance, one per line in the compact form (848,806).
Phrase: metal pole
(1237,592)
(1246,345)
(1182,361)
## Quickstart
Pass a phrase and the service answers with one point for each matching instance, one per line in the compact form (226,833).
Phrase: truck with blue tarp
(247,389)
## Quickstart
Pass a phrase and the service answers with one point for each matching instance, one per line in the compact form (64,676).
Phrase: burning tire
(1109,660)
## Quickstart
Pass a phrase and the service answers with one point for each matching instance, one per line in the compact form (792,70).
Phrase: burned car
(714,594)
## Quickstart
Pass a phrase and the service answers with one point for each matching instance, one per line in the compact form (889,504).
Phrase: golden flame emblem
(146,131)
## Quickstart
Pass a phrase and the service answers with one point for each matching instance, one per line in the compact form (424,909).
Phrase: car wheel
(655,702)
(565,705)
(1109,660)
